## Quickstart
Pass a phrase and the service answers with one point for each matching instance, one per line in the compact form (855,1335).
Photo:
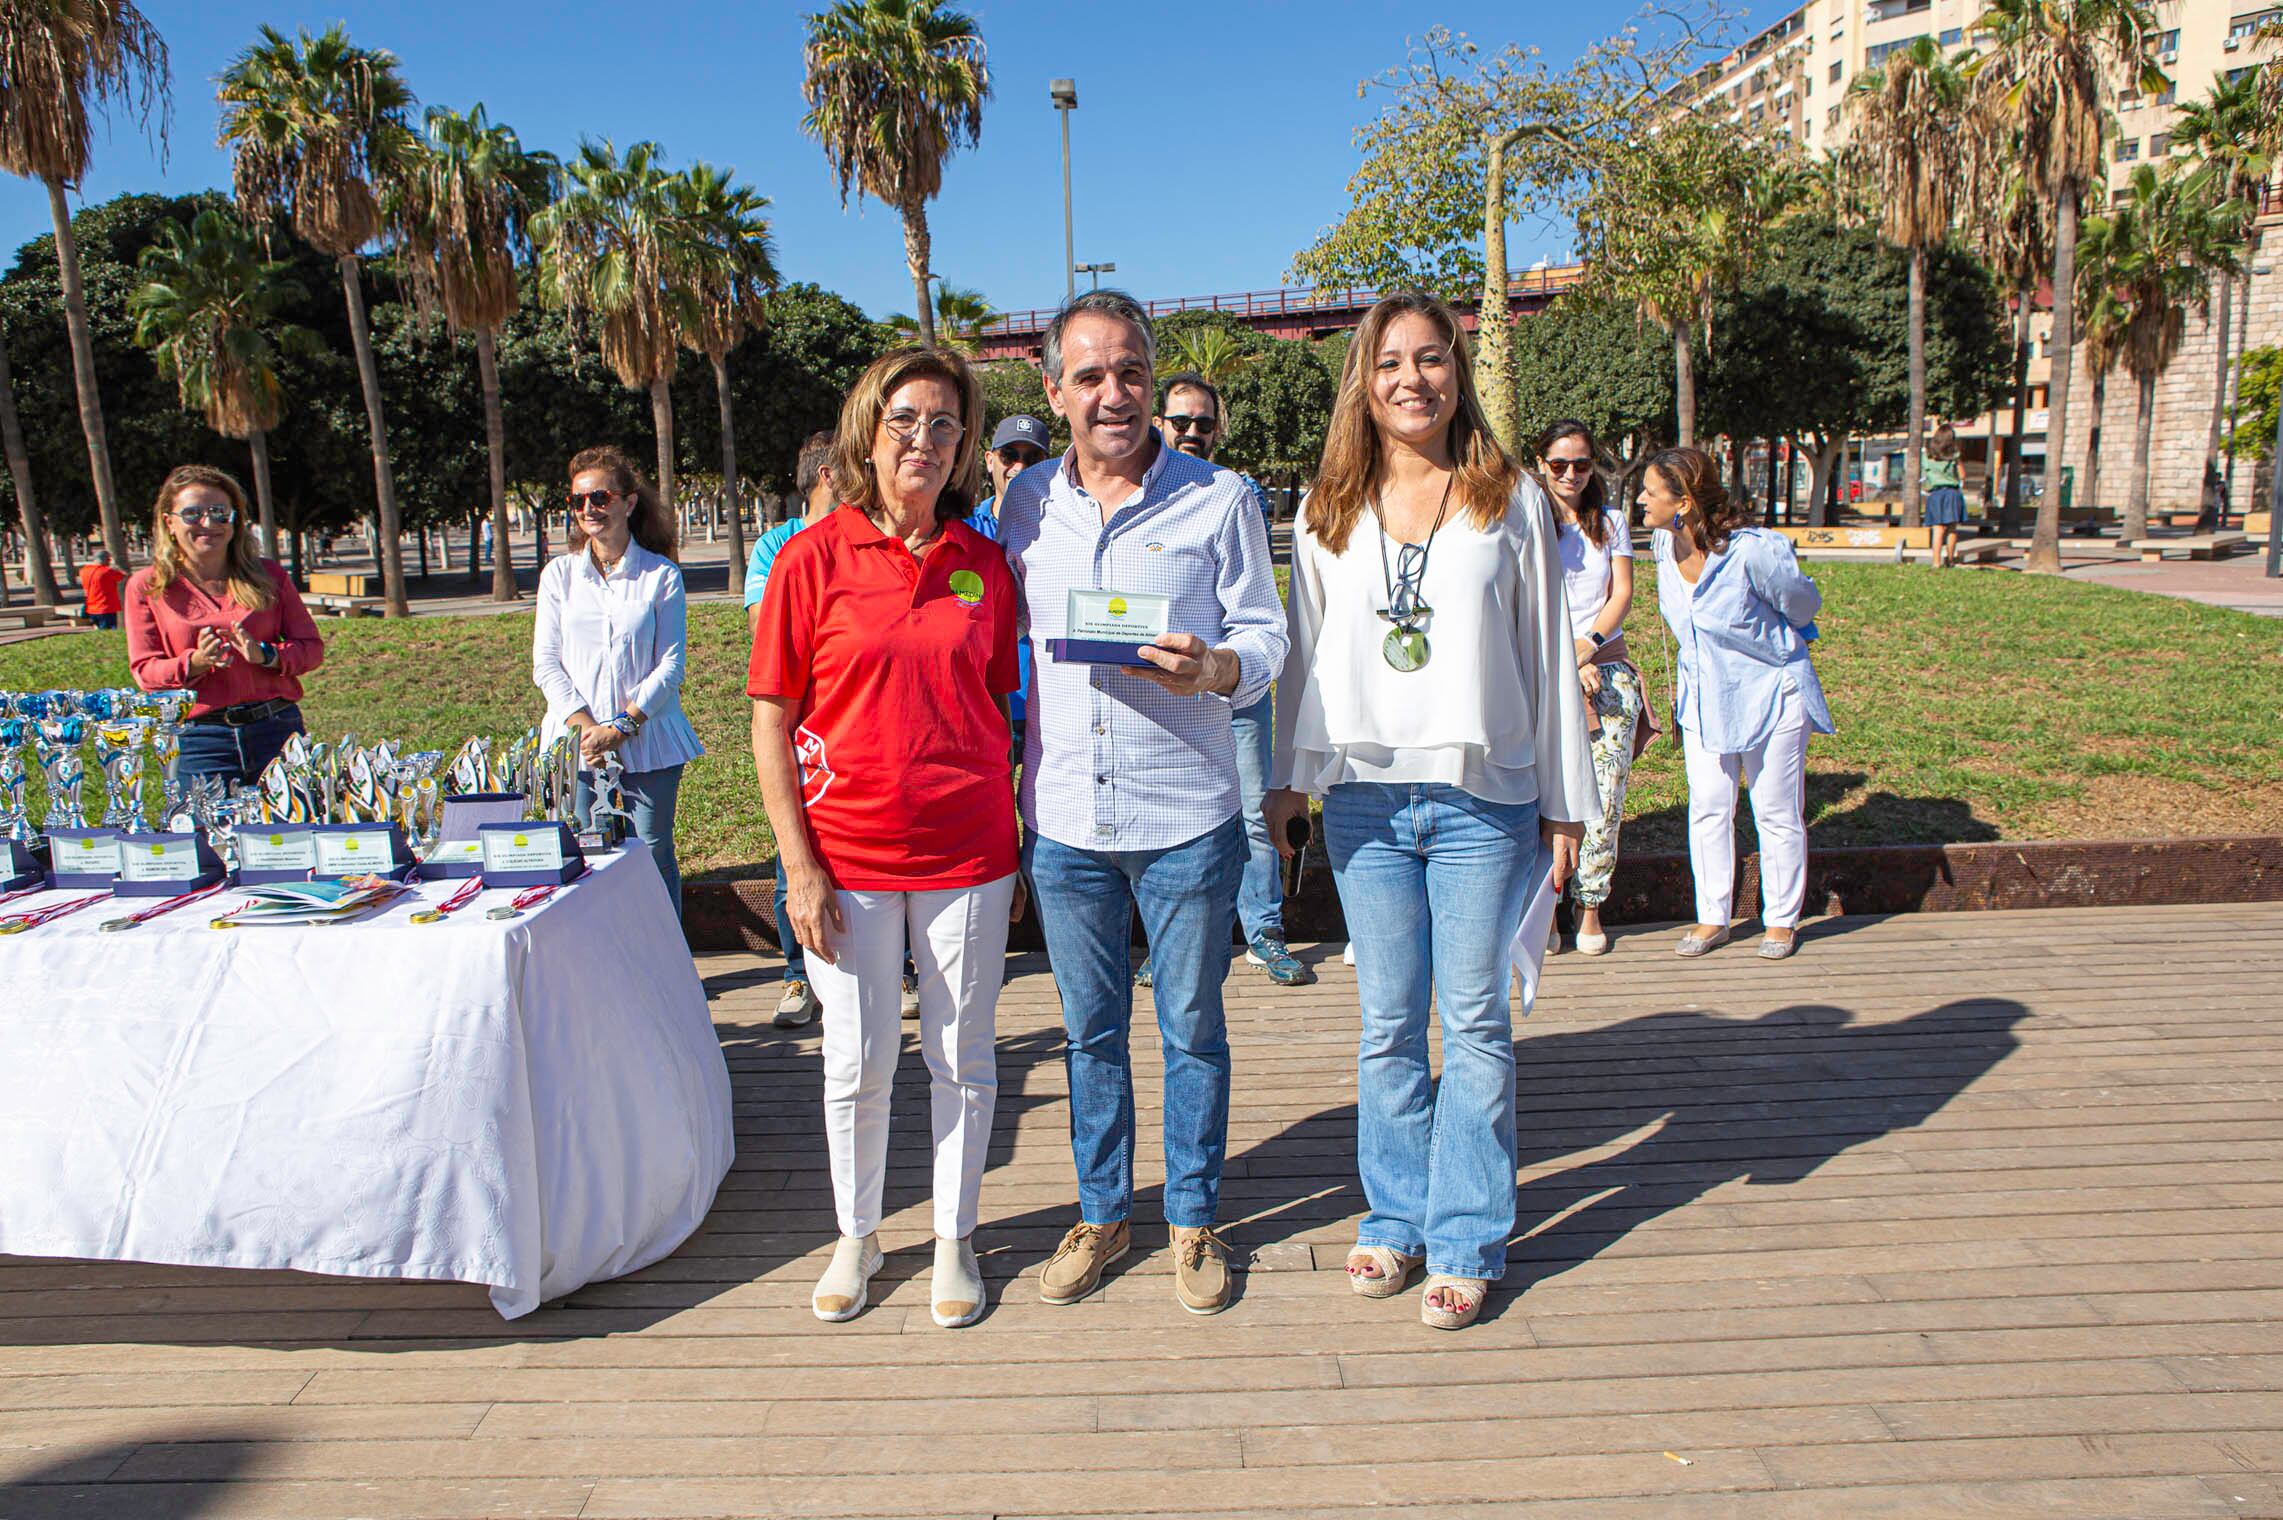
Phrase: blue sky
(1225,126)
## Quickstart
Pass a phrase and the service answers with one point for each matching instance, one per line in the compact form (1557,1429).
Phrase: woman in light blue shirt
(609,647)
(1742,614)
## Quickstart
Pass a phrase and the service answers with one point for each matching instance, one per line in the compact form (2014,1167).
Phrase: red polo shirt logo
(816,774)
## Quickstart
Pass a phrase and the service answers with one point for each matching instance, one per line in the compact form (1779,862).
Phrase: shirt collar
(1068,471)
(630,563)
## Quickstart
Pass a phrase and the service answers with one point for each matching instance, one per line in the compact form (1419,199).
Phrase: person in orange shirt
(99,582)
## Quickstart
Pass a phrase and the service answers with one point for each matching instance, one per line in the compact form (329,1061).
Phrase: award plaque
(165,865)
(361,849)
(529,854)
(21,864)
(1110,627)
(465,812)
(271,853)
(83,859)
(453,857)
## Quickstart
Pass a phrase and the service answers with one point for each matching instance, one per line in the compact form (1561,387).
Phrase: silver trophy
(166,710)
(56,741)
(420,800)
(290,790)
(608,820)
(559,777)
(15,801)
(119,751)
(471,768)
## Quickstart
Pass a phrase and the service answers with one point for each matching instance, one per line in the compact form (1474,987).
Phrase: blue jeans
(1260,897)
(796,962)
(1086,902)
(105,620)
(650,797)
(234,754)
(1433,882)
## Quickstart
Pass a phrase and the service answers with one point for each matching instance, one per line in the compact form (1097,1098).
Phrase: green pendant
(1406,649)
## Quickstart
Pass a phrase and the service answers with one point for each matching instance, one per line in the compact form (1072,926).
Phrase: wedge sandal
(1471,1290)
(1395,1271)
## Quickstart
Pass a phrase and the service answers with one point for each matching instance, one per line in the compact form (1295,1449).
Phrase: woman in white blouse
(609,648)
(1432,700)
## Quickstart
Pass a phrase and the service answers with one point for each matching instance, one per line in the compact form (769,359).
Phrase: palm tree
(893,88)
(606,253)
(2224,130)
(1213,352)
(2145,263)
(723,268)
(2048,74)
(462,209)
(37,569)
(315,125)
(1917,135)
(57,58)
(2013,229)
(207,310)
(960,317)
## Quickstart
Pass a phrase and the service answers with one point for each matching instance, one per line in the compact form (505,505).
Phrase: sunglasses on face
(592,501)
(1568,466)
(1207,425)
(220,517)
(1019,459)
(943,431)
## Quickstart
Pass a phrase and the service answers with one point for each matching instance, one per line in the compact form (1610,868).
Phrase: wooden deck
(1951,1215)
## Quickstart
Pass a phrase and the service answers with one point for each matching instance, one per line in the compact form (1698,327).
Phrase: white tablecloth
(531,1104)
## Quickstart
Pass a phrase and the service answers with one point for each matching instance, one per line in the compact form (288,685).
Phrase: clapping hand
(208,655)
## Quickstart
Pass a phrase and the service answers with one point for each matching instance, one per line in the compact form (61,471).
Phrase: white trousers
(1777,774)
(958,942)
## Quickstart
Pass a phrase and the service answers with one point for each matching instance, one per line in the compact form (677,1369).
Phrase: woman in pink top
(212,616)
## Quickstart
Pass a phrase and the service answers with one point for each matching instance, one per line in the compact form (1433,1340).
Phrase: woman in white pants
(881,663)
(1742,614)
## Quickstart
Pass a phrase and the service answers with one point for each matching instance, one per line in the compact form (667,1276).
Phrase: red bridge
(1307,313)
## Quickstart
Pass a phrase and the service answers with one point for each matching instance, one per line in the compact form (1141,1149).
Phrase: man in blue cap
(1018,443)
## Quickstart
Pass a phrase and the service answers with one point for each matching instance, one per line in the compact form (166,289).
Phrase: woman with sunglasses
(1742,613)
(1597,576)
(1432,699)
(211,615)
(879,682)
(610,647)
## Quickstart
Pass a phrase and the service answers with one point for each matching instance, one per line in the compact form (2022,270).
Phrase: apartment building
(1792,78)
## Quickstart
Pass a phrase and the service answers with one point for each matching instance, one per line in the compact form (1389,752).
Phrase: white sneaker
(797,1007)
(955,1292)
(847,1283)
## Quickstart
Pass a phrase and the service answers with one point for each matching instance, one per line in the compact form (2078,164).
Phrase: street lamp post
(1096,271)
(1064,93)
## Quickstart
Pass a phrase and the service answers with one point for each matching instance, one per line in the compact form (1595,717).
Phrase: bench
(2256,523)
(344,606)
(1891,545)
(2199,546)
(339,584)
(29,617)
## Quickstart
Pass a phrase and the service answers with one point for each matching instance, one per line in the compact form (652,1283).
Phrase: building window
(2168,42)
(2128,149)
(1952,36)
(1873,57)
(2171,94)
(1831,117)
(2159,144)
(1838,66)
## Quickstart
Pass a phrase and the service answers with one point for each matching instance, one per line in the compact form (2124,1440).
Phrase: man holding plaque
(1153,615)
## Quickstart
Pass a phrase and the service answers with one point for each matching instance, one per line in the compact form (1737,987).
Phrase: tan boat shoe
(1075,1269)
(1200,1270)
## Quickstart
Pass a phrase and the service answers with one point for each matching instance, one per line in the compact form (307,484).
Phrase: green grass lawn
(1970,705)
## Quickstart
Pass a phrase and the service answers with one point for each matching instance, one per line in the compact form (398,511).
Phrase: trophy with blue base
(23,855)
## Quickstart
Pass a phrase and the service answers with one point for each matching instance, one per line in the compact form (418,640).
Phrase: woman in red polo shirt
(212,615)
(881,664)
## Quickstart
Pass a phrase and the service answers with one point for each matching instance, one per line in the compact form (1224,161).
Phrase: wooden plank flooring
(1950,1215)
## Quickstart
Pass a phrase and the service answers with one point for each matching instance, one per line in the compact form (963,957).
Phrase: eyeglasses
(593,501)
(1405,605)
(220,517)
(1568,466)
(1207,425)
(943,431)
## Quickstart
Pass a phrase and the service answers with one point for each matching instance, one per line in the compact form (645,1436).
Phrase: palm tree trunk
(388,525)
(1915,445)
(2045,543)
(2205,491)
(265,507)
(2092,493)
(2136,503)
(495,448)
(83,374)
(1494,330)
(729,479)
(916,254)
(2009,517)
(1684,385)
(662,418)
(38,571)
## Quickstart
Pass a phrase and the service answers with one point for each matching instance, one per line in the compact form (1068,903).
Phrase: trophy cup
(471,768)
(56,740)
(361,792)
(559,777)
(19,842)
(420,801)
(608,821)
(166,710)
(289,787)
(119,752)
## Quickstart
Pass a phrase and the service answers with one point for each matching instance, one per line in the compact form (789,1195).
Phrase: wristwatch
(1599,638)
(266,652)
(627,724)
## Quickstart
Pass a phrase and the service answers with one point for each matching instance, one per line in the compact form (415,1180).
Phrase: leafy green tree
(894,87)
(2010,222)
(1600,363)
(210,312)
(58,58)
(2048,73)
(314,126)
(1918,131)
(39,572)
(724,269)
(1279,407)
(1209,351)
(1014,387)
(461,207)
(2258,394)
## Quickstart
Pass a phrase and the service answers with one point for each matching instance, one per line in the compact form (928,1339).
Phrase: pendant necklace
(1406,648)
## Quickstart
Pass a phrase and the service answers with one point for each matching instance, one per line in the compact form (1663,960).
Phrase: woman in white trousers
(882,658)
(1742,614)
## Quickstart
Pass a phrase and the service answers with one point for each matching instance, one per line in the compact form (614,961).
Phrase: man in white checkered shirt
(1129,789)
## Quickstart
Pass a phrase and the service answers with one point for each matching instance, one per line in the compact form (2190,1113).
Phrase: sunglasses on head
(213,516)
(1206,424)
(1568,466)
(596,501)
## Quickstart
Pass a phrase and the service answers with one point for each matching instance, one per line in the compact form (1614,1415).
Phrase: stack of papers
(315,902)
